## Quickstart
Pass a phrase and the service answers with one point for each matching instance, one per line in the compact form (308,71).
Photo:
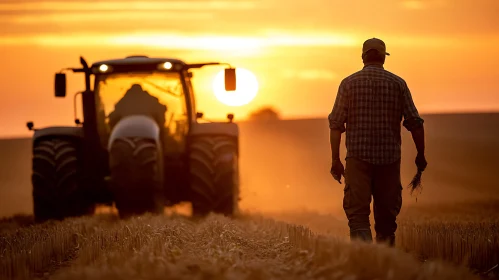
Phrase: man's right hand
(421,162)
(337,170)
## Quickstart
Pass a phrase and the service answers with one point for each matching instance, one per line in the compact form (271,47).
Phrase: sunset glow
(299,52)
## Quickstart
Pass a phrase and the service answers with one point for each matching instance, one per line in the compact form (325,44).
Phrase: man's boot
(362,235)
(386,239)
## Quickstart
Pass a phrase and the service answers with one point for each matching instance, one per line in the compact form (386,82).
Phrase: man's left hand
(337,170)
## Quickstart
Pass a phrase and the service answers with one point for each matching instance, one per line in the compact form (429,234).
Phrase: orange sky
(299,51)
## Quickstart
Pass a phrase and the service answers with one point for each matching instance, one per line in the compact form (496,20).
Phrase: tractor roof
(138,60)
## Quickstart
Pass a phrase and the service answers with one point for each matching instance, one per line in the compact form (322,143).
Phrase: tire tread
(135,176)
(56,179)
(214,183)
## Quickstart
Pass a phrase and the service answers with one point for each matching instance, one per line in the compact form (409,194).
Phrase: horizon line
(247,120)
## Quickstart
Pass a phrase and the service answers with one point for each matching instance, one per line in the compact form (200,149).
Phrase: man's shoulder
(352,77)
(370,72)
(344,83)
(394,77)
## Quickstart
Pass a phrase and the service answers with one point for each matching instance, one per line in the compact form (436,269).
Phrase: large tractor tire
(136,176)
(58,191)
(214,176)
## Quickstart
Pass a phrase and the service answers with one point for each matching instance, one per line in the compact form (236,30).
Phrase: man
(136,101)
(371,103)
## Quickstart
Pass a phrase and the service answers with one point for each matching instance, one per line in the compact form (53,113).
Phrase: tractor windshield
(159,95)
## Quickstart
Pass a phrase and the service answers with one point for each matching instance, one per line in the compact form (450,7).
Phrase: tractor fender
(135,126)
(64,131)
(207,129)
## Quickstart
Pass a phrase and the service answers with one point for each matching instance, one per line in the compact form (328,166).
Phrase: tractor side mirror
(30,125)
(230,79)
(60,85)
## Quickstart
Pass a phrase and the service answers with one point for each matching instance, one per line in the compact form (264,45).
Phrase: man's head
(135,89)
(374,51)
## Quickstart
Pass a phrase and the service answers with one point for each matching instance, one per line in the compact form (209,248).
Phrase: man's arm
(337,120)
(418,138)
(414,123)
(335,140)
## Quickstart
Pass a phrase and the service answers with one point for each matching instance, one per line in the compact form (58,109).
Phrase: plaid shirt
(371,103)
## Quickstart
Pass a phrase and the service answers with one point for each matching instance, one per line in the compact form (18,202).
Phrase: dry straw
(155,247)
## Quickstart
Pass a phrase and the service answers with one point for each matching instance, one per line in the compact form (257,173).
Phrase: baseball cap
(374,44)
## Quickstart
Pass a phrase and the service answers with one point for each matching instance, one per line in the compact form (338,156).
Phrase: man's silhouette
(371,103)
(136,101)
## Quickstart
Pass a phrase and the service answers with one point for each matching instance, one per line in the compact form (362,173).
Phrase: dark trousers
(382,182)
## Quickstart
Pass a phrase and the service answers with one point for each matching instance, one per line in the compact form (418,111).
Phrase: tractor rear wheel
(214,176)
(136,176)
(58,191)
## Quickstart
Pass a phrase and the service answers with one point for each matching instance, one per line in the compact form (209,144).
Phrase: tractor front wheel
(136,176)
(214,175)
(58,191)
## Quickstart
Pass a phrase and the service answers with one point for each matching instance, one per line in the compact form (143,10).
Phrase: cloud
(421,5)
(121,15)
(107,17)
(413,5)
(255,40)
(308,38)
(310,74)
(79,6)
(177,40)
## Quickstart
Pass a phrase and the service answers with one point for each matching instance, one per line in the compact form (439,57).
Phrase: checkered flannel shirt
(371,103)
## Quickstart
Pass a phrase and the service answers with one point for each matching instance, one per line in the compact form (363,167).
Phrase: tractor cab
(156,87)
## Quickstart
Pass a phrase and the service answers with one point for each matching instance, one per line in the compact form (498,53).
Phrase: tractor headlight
(103,68)
(167,65)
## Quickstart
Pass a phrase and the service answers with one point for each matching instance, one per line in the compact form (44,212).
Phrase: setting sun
(246,88)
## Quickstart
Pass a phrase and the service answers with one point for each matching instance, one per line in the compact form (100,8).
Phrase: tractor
(141,145)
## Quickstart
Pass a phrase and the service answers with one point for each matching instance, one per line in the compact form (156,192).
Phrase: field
(293,226)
